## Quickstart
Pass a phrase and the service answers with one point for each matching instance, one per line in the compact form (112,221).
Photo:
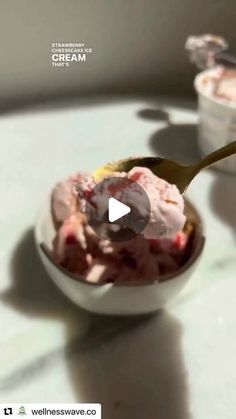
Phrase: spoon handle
(224,58)
(217,155)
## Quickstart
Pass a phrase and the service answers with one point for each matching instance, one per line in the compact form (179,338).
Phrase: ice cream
(81,252)
(203,49)
(225,87)
(219,83)
(167,204)
(64,198)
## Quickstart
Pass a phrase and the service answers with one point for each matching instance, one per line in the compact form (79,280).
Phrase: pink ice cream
(167,204)
(65,198)
(226,87)
(219,82)
(203,49)
(81,252)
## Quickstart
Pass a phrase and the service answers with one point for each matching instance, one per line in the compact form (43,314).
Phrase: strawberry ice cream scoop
(167,204)
(165,214)
(148,256)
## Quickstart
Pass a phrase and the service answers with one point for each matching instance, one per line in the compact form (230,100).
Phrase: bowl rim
(165,278)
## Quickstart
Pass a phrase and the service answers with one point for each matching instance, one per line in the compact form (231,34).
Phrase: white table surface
(177,364)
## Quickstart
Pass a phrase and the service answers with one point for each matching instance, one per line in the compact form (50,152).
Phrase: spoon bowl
(169,170)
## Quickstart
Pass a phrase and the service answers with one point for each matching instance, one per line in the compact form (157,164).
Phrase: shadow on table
(133,365)
(223,199)
(174,141)
(133,375)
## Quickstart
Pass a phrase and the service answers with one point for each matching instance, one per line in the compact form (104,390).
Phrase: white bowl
(119,299)
(217,121)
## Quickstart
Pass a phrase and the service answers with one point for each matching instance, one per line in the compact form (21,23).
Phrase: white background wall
(138,44)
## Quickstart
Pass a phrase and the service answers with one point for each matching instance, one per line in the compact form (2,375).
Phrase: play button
(117,209)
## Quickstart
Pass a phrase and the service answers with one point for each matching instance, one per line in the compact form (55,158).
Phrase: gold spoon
(169,170)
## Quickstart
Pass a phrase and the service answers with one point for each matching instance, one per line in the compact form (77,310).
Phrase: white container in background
(217,121)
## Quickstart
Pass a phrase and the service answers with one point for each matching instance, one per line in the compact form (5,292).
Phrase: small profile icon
(22,411)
